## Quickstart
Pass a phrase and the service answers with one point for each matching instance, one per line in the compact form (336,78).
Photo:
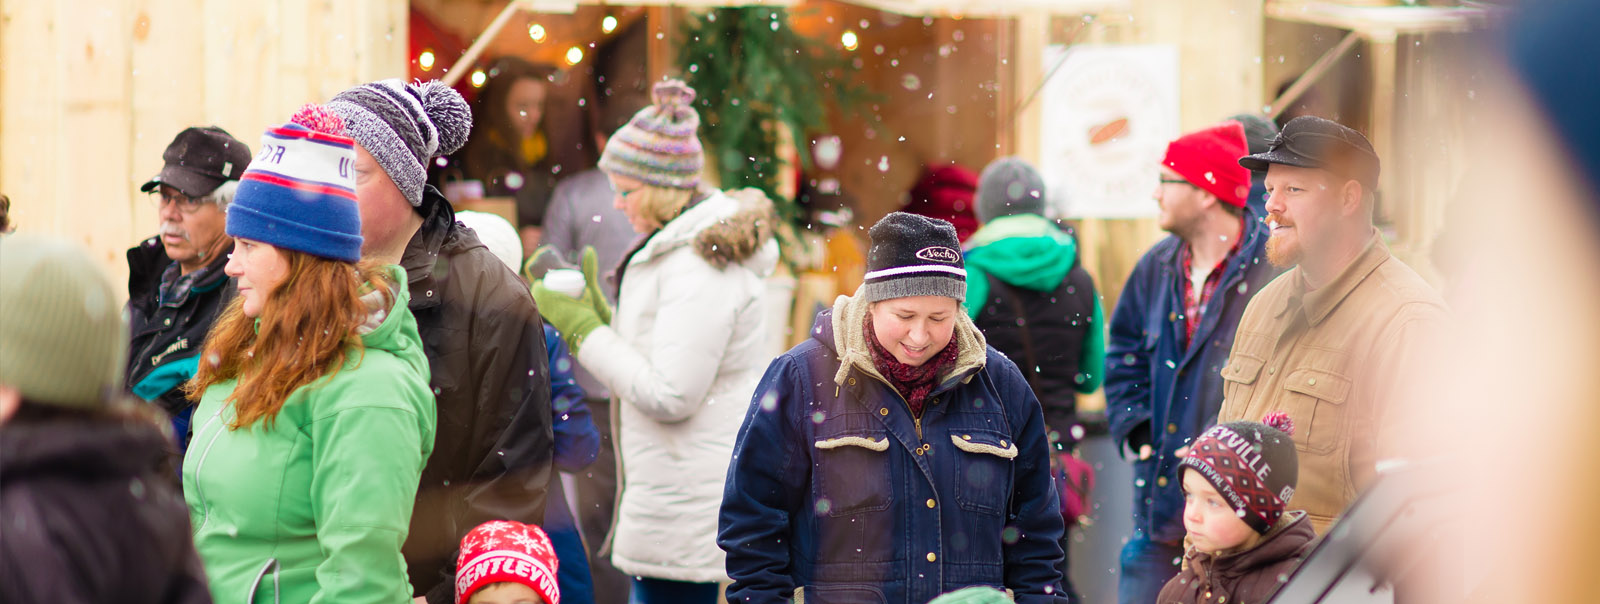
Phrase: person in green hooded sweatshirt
(314,415)
(1031,298)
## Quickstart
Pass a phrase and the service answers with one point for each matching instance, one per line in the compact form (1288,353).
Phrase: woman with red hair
(314,410)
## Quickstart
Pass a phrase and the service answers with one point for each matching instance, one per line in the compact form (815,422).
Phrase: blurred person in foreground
(314,409)
(480,329)
(91,514)
(1332,341)
(1513,392)
(176,284)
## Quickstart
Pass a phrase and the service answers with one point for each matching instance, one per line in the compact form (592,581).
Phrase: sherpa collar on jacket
(850,343)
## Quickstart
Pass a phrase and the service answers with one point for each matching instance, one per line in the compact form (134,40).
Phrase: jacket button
(1003,444)
(1272,370)
(883,411)
(930,504)
(931,557)
(1172,316)
(1172,428)
(852,381)
(966,437)
(1161,482)
(1311,382)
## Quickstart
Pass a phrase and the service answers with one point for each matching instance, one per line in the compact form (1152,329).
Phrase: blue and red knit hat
(299,192)
(659,146)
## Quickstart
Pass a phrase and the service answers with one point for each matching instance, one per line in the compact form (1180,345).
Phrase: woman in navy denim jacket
(894,456)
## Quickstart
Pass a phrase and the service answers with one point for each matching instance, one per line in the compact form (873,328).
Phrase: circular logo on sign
(939,253)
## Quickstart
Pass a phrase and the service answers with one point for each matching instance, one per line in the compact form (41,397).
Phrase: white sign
(1108,114)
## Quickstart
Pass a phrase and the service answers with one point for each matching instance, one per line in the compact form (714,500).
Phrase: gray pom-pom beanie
(1009,186)
(404,126)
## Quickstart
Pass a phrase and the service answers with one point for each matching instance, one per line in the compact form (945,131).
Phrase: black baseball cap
(199,160)
(1313,142)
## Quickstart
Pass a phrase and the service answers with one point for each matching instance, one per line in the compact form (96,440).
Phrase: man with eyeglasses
(1170,335)
(176,286)
(1331,340)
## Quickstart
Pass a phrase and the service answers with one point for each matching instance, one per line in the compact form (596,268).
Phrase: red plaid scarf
(1194,309)
(914,383)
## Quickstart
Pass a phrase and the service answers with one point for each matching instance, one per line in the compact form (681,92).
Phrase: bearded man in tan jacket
(1328,341)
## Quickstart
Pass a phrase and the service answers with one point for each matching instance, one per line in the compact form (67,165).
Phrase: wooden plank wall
(1219,45)
(92,91)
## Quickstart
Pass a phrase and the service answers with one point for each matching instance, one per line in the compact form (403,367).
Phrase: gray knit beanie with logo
(914,255)
(404,126)
(1009,186)
(62,339)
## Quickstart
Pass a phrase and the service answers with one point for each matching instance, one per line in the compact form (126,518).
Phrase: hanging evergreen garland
(751,70)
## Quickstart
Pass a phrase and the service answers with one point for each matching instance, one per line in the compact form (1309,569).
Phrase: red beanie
(504,551)
(1209,159)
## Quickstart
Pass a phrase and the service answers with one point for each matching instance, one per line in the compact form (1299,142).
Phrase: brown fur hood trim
(740,236)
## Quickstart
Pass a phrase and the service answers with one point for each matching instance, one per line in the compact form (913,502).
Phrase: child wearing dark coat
(1242,544)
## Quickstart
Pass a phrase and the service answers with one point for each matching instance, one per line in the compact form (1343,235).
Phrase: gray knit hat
(1009,186)
(914,255)
(62,339)
(404,126)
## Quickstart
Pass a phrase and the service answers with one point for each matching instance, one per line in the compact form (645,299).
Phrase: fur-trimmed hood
(843,329)
(724,229)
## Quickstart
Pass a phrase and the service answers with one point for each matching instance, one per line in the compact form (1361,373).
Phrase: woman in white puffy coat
(683,350)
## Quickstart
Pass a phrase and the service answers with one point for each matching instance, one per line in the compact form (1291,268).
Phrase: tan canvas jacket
(1332,358)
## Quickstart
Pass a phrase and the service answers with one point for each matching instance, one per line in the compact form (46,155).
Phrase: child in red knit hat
(506,562)
(1243,543)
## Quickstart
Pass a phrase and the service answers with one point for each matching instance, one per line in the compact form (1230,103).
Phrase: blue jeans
(1146,567)
(662,591)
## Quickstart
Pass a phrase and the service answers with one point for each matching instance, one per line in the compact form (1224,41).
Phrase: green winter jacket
(315,507)
(1031,252)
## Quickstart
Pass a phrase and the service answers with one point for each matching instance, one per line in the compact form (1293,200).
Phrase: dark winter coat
(484,341)
(1024,279)
(168,317)
(1161,392)
(91,515)
(835,488)
(1248,577)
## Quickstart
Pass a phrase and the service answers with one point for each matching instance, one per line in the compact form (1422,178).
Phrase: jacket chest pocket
(852,473)
(1239,381)
(983,469)
(1315,400)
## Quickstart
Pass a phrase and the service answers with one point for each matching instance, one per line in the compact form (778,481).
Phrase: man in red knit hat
(1171,333)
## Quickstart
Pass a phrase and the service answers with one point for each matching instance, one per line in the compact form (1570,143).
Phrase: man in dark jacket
(176,287)
(91,514)
(1171,335)
(480,329)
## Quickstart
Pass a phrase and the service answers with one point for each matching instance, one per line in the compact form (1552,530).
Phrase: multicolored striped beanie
(299,192)
(659,146)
